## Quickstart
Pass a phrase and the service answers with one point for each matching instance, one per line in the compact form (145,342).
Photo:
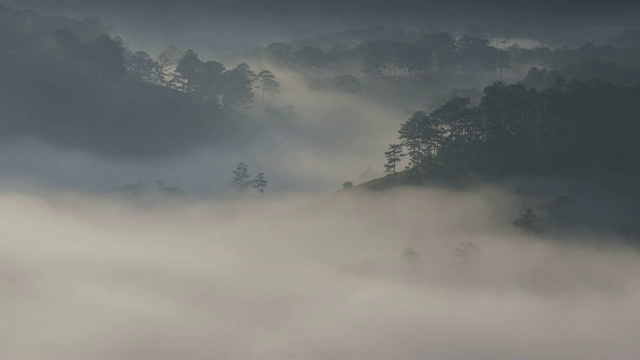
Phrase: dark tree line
(581,128)
(558,58)
(378,53)
(97,95)
(16,26)
(541,78)
(432,52)
(207,80)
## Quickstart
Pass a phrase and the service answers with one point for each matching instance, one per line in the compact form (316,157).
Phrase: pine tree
(187,71)
(268,83)
(167,62)
(260,184)
(241,178)
(394,155)
(238,87)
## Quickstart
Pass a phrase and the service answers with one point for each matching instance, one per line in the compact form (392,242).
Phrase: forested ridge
(579,128)
(387,52)
(72,84)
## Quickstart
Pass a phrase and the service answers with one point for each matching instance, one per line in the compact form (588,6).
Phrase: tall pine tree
(394,155)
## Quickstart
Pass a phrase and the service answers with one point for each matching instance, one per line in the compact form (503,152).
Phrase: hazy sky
(229,25)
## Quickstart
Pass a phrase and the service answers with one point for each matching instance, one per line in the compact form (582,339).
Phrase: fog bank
(306,278)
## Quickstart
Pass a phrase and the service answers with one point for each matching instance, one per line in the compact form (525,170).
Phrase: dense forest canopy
(69,83)
(390,52)
(580,128)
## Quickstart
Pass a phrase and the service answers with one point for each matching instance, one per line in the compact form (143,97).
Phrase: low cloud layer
(334,137)
(306,278)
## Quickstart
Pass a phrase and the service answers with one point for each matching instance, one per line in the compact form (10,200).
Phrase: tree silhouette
(187,72)
(143,68)
(260,184)
(310,58)
(562,130)
(280,53)
(167,61)
(210,84)
(241,177)
(268,83)
(394,155)
(238,87)
(105,57)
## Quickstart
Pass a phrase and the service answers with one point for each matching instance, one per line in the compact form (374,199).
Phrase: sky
(256,22)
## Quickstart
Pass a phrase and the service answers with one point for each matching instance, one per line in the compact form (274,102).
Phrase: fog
(306,278)
(333,137)
(491,148)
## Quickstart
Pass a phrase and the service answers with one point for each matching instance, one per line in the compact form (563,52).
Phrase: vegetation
(57,73)
(241,182)
(438,51)
(394,155)
(260,184)
(582,128)
(241,177)
(627,75)
(268,84)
